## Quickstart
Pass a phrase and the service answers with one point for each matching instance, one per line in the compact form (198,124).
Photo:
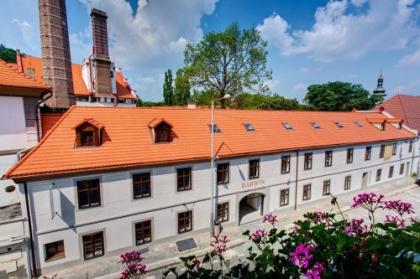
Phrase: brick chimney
(101,62)
(56,52)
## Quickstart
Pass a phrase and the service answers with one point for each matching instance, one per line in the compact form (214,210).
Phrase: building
(127,177)
(379,92)
(20,97)
(406,107)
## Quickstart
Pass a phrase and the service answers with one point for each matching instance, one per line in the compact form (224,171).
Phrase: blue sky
(309,41)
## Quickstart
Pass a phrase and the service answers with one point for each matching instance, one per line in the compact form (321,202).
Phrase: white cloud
(337,33)
(411,59)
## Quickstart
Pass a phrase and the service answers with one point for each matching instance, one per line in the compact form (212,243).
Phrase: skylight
(216,129)
(358,124)
(315,125)
(339,124)
(248,127)
(287,126)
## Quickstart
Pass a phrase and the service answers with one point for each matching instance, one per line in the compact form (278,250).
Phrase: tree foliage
(168,90)
(338,96)
(7,54)
(182,88)
(228,62)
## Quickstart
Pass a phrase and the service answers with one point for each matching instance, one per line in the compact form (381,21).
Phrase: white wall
(119,211)
(12,127)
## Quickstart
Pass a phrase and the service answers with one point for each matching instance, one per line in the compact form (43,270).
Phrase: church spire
(379,93)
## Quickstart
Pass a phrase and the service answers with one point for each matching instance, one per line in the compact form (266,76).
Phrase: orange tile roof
(10,77)
(79,86)
(129,142)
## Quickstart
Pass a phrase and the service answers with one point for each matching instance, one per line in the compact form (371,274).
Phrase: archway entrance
(251,207)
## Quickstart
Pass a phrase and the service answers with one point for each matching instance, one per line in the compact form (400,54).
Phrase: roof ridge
(36,147)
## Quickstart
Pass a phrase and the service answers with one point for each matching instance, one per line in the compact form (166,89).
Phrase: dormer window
(88,133)
(162,131)
(216,128)
(249,127)
(339,124)
(315,125)
(287,126)
(358,124)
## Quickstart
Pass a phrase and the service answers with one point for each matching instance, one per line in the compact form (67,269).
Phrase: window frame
(183,188)
(347,182)
(394,149)
(410,146)
(224,171)
(256,173)
(349,156)
(391,171)
(222,208)
(402,167)
(328,158)
(284,199)
(285,164)
(90,204)
(134,185)
(326,187)
(307,188)
(307,161)
(378,175)
(189,218)
(382,151)
(94,248)
(58,254)
(368,153)
(142,239)
(159,131)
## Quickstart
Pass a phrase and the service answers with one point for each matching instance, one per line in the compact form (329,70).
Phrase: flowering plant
(133,268)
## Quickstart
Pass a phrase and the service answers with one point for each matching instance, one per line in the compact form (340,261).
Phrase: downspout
(296,178)
(33,270)
(45,96)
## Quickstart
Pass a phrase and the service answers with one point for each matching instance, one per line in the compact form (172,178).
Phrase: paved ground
(164,254)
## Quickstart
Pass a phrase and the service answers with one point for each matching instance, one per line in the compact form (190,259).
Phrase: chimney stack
(101,62)
(56,52)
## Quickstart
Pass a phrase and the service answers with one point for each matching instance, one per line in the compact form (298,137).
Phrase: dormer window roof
(88,133)
(287,126)
(161,130)
(315,125)
(216,128)
(249,127)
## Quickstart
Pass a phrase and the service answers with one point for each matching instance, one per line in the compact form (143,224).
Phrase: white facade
(56,215)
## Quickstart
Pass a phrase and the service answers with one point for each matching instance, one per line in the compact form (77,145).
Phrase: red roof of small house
(406,107)
(15,83)
(131,145)
(35,63)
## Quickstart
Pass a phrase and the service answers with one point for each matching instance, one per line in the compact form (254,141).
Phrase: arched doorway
(251,208)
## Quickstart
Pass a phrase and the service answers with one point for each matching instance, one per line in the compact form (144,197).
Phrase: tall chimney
(56,52)
(101,61)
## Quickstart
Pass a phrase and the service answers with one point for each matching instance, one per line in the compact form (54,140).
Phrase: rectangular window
(183,179)
(284,197)
(184,221)
(349,155)
(223,173)
(328,158)
(54,251)
(401,169)
(143,232)
(394,148)
(306,192)
(254,168)
(141,185)
(87,138)
(222,212)
(93,245)
(382,151)
(378,174)
(410,147)
(347,182)
(368,153)
(391,171)
(308,161)
(326,186)
(285,164)
(88,193)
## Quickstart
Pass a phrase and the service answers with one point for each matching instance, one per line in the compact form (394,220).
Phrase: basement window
(249,127)
(315,125)
(287,126)
(216,128)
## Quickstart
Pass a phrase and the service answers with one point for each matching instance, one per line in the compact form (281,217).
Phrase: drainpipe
(296,178)
(32,270)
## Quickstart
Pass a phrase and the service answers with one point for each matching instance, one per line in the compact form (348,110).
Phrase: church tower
(379,91)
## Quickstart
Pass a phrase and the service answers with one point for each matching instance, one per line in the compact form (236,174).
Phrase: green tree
(7,54)
(267,102)
(228,62)
(168,90)
(182,88)
(338,96)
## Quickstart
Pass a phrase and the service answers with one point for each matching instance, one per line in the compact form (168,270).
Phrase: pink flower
(270,218)
(322,218)
(258,234)
(133,270)
(302,255)
(397,220)
(315,272)
(219,244)
(356,227)
(129,257)
(368,201)
(400,207)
